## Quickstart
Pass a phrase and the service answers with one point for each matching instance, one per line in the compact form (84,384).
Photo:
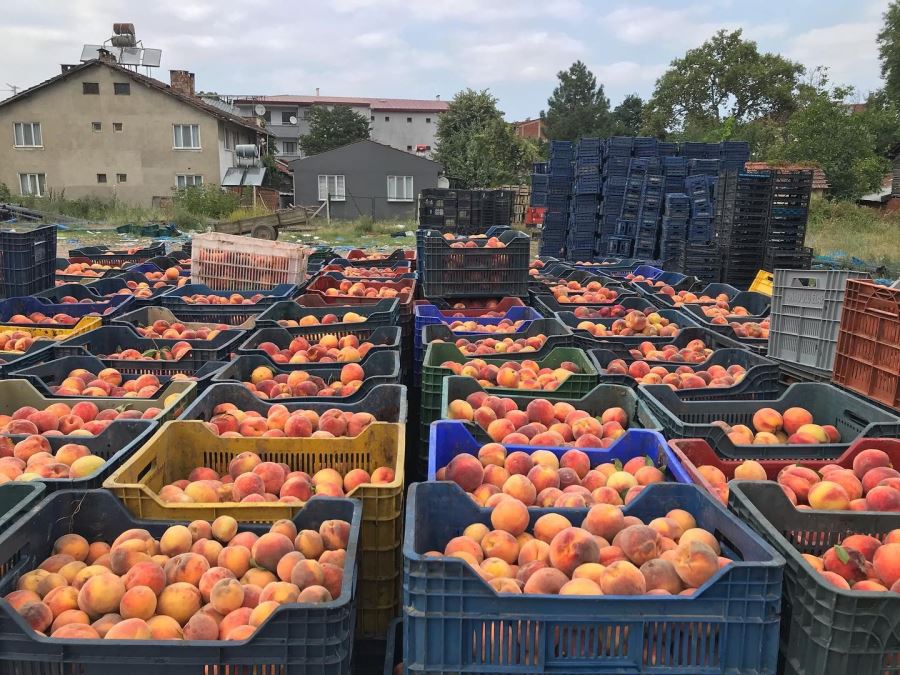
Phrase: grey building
(365,178)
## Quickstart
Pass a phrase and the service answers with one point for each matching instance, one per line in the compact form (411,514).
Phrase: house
(405,124)
(365,178)
(530,129)
(820,183)
(100,130)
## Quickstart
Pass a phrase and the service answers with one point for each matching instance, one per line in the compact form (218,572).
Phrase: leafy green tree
(889,51)
(821,131)
(724,77)
(477,147)
(627,116)
(333,127)
(578,106)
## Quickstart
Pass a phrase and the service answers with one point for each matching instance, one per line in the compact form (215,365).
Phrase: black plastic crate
(27,260)
(298,639)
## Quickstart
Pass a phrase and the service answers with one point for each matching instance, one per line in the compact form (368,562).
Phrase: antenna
(128,51)
(260,109)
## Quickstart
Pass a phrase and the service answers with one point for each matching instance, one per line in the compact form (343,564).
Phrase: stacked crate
(787,221)
(584,205)
(742,205)
(559,185)
(674,229)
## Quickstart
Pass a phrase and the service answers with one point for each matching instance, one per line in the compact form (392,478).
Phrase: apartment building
(98,129)
(404,124)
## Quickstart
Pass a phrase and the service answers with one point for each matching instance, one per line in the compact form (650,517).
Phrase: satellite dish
(260,109)
(292,120)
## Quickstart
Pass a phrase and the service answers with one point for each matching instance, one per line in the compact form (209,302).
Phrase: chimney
(182,82)
(66,67)
(105,55)
(317,91)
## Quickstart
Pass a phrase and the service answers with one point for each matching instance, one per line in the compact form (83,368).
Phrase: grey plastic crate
(806,315)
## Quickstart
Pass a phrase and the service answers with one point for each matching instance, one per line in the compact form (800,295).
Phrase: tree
(627,116)
(476,146)
(889,51)
(823,132)
(724,77)
(331,128)
(578,106)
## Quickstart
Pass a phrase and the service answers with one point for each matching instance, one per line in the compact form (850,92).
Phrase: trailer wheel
(266,232)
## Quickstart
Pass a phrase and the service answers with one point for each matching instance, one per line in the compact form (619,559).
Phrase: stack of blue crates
(674,228)
(553,235)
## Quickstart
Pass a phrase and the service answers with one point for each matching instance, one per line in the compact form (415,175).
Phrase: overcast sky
(424,48)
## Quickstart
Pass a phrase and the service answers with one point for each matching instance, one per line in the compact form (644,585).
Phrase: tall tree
(724,77)
(889,51)
(476,146)
(627,116)
(331,128)
(823,132)
(578,106)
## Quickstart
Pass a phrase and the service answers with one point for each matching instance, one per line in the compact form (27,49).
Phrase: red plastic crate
(867,360)
(696,452)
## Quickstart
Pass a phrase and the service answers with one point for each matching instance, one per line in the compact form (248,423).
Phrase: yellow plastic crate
(17,393)
(84,324)
(763,283)
(178,447)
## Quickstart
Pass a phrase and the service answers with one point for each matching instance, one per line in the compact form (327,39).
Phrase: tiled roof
(193,101)
(407,104)
(820,180)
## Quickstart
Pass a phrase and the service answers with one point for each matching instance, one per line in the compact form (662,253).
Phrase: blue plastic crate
(449,438)
(455,622)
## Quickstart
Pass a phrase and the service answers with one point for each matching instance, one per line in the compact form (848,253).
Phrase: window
(117,126)
(187,136)
(427,120)
(32,184)
(183,181)
(101,177)
(400,188)
(387,118)
(96,126)
(409,120)
(289,147)
(90,88)
(28,135)
(121,178)
(333,187)
(122,88)
(286,116)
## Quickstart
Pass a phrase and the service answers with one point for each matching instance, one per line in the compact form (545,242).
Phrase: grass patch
(844,230)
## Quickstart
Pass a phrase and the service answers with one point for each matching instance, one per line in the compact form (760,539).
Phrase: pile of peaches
(544,423)
(360,289)
(107,382)
(203,581)
(574,292)
(540,479)
(32,458)
(162,329)
(507,345)
(329,349)
(229,421)
(82,419)
(525,374)
(861,563)
(795,427)
(249,479)
(636,322)
(265,384)
(608,553)
(327,319)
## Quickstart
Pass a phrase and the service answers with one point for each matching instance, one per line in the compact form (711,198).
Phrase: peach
(180,601)
(510,515)
(270,548)
(794,418)
(623,578)
(138,602)
(500,544)
(828,495)
(886,562)
(547,580)
(695,563)
(571,547)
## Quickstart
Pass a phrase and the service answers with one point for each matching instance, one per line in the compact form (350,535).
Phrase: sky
(429,48)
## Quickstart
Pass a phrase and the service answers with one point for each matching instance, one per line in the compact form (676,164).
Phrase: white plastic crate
(228,262)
